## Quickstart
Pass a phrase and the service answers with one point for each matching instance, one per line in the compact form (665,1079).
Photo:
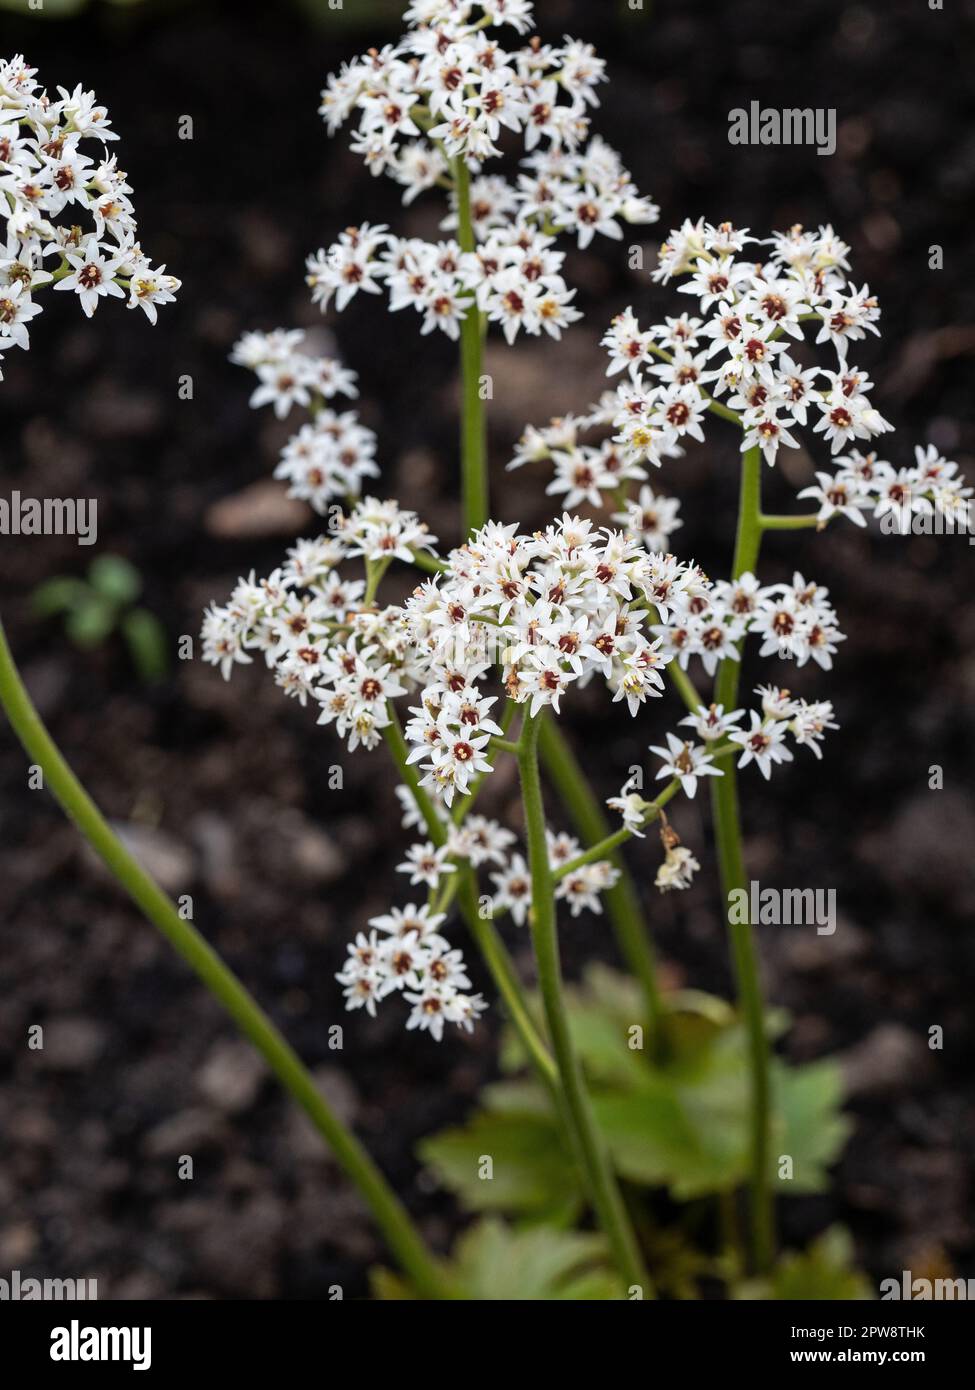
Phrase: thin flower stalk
(473,434)
(603,1186)
(728,840)
(622,899)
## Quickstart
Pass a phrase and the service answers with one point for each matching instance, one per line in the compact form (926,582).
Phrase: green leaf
(115,579)
(390,1287)
(147,645)
(812,1128)
(493,1262)
(91,621)
(825,1271)
(687,1127)
(57,595)
(531,1176)
(683,1125)
(660,1137)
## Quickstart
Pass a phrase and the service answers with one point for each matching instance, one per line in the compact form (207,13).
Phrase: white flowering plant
(616,1089)
(52,172)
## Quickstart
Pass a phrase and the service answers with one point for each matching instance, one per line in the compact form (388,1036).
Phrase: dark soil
(226,787)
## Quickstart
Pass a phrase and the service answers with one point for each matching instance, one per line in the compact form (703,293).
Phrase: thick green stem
(684,686)
(622,902)
(390,1215)
(604,1190)
(473,425)
(727,830)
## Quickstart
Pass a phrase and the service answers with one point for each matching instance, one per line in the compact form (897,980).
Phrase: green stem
(604,1190)
(619,837)
(727,830)
(748,536)
(502,971)
(622,902)
(788,523)
(473,428)
(684,686)
(504,745)
(431,564)
(392,1218)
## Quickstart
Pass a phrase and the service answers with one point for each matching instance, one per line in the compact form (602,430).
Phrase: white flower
(149,288)
(651,517)
(837,498)
(513,889)
(16,311)
(764,743)
(447,90)
(479,841)
(685,761)
(631,806)
(92,276)
(677,871)
(581,888)
(426,864)
(410,958)
(711,723)
(810,723)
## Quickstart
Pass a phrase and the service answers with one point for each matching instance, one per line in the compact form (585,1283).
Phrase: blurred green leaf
(114,578)
(147,644)
(812,1128)
(57,595)
(91,621)
(825,1271)
(531,1174)
(684,1125)
(492,1262)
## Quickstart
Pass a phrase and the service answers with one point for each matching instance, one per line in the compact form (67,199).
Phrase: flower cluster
(732,356)
(430,110)
(548,610)
(332,454)
(740,342)
(763,743)
(509,622)
(583,472)
(404,953)
(795,621)
(320,633)
(532,614)
(931,494)
(46,174)
(514,278)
